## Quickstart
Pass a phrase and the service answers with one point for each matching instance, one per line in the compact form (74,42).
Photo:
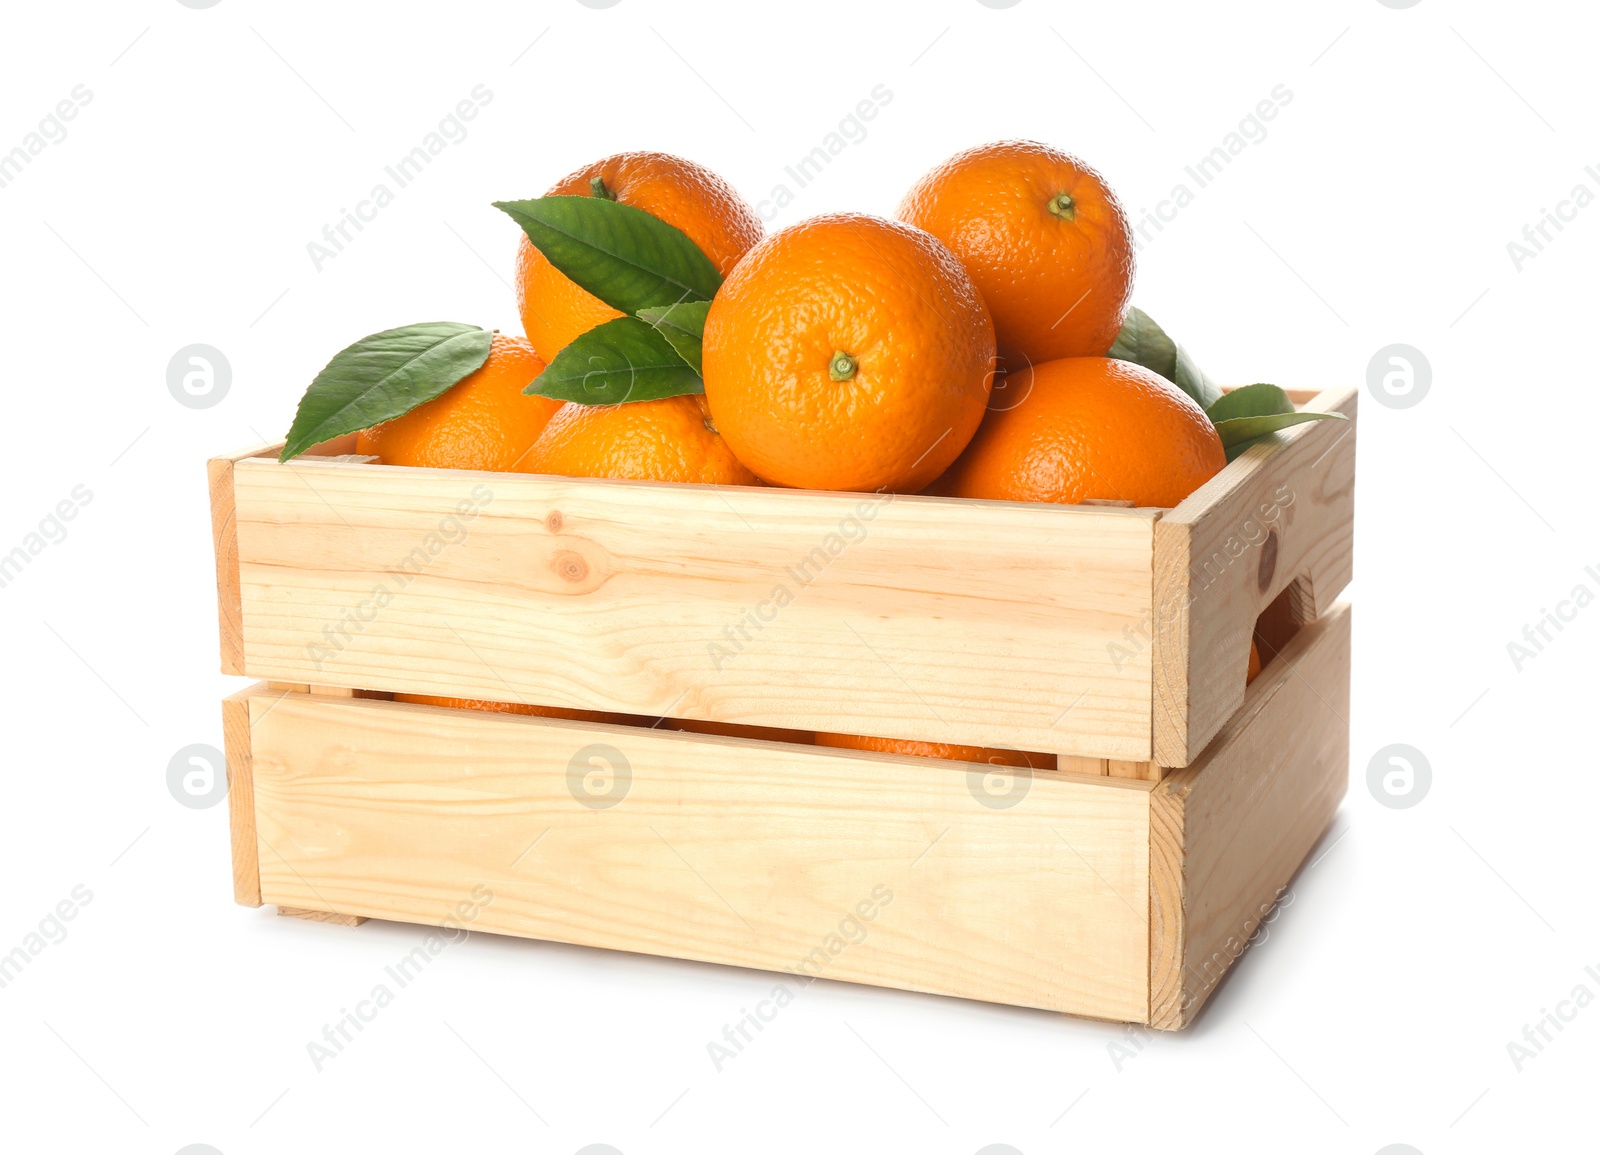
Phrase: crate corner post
(236,720)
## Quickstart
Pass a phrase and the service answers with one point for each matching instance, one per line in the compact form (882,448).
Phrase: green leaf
(682,326)
(382,376)
(1239,433)
(1258,400)
(622,360)
(1193,380)
(1144,342)
(625,256)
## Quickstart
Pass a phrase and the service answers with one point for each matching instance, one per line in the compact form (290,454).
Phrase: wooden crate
(1113,887)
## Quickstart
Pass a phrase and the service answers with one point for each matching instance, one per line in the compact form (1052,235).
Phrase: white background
(1377,210)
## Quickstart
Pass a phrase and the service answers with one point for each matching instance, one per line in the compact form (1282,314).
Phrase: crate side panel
(865,868)
(1229,831)
(976,623)
(1282,514)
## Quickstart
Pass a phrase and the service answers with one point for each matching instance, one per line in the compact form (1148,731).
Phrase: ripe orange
(692,199)
(670,439)
(1089,428)
(482,421)
(848,352)
(735,730)
(516,708)
(940,750)
(1045,239)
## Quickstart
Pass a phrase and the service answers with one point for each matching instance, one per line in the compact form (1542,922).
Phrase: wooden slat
(1081,765)
(241,798)
(1145,771)
(1228,832)
(1115,768)
(727,850)
(321,916)
(977,623)
(1282,513)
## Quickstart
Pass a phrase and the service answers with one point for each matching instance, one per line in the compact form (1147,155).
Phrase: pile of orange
(852,352)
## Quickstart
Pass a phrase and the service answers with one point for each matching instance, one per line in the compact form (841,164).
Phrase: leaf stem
(597,188)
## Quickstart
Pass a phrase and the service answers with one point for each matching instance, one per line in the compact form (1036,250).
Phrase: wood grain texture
(862,867)
(1146,771)
(978,623)
(241,798)
(321,916)
(1115,768)
(225,547)
(225,541)
(1078,764)
(1283,513)
(1228,832)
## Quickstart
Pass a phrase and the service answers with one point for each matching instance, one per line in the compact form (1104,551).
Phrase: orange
(848,352)
(515,708)
(482,421)
(670,439)
(1045,239)
(692,199)
(735,730)
(940,750)
(1089,428)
